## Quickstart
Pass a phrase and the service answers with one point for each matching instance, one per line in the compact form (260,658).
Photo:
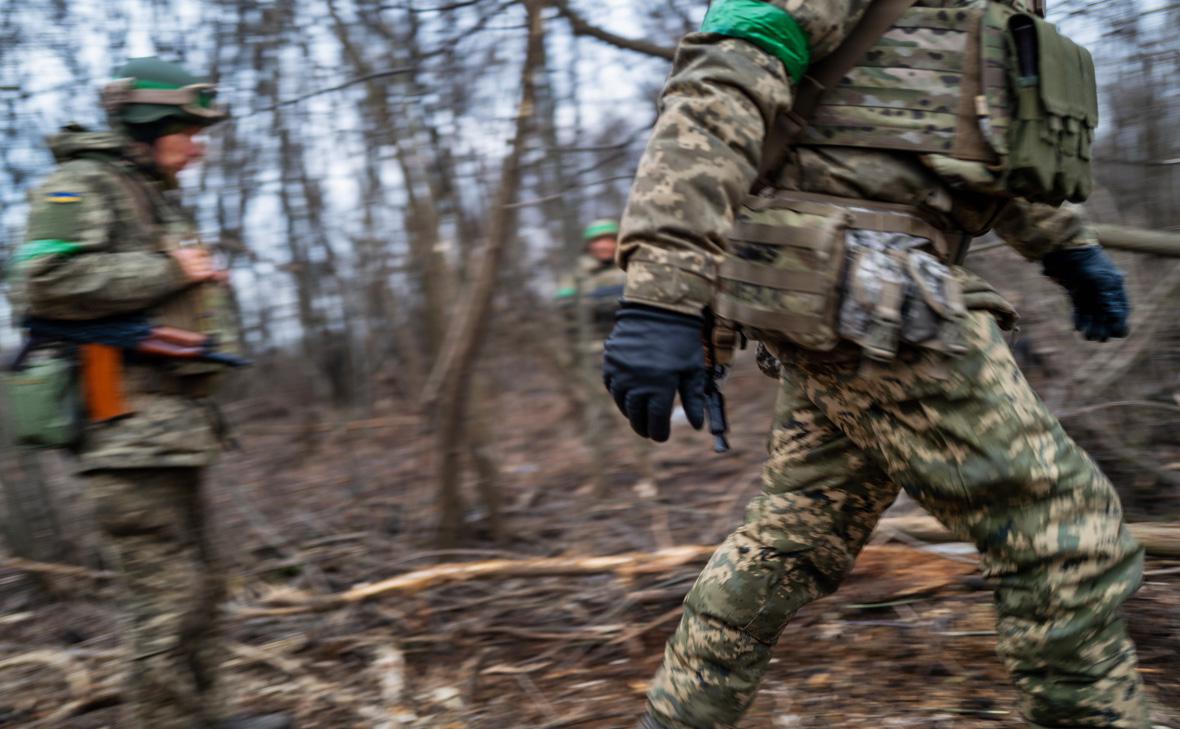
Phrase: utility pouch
(42,405)
(784,272)
(1054,113)
(896,293)
(820,270)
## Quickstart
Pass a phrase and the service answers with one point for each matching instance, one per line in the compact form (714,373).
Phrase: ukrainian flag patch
(63,197)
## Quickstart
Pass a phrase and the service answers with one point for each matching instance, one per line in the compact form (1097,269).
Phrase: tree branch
(581,26)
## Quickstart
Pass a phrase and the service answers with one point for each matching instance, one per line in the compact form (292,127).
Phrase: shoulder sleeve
(729,85)
(1034,229)
(71,266)
(826,22)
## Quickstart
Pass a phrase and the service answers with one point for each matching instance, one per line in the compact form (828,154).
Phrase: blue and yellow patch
(63,197)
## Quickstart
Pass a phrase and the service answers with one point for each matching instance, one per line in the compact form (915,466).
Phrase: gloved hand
(1100,305)
(652,354)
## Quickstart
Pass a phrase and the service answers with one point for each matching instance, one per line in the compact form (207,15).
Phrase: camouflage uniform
(96,245)
(598,287)
(965,435)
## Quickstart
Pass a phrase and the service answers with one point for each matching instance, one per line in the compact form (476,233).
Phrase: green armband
(38,248)
(767,26)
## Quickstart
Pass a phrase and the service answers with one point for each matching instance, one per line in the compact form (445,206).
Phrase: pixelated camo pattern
(703,157)
(153,525)
(118,268)
(601,287)
(970,441)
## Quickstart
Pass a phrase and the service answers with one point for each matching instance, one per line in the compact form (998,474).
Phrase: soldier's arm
(68,263)
(726,90)
(1034,229)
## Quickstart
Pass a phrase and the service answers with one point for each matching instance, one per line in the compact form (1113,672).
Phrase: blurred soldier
(597,282)
(894,373)
(593,293)
(107,245)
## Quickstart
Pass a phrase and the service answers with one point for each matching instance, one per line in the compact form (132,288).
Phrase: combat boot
(649,722)
(258,721)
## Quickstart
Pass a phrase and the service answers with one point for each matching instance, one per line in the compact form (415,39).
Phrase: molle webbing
(811,283)
(860,214)
(922,87)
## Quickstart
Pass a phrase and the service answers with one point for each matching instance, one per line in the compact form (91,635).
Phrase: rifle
(102,342)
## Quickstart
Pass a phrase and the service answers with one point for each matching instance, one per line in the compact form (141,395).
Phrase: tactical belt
(950,248)
(821,247)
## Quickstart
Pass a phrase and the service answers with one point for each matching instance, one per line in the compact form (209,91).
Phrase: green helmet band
(600,228)
(139,101)
(148,91)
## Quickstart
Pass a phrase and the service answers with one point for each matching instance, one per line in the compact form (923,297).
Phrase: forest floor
(315,505)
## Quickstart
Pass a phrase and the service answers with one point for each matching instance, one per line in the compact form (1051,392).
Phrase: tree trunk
(448,390)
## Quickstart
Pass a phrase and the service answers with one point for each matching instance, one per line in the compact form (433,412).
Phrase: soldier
(894,373)
(597,279)
(597,286)
(104,245)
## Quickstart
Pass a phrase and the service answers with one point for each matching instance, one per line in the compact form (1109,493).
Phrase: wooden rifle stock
(102,382)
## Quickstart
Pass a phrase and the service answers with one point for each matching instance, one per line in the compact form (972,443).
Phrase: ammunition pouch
(42,402)
(1005,100)
(1054,113)
(820,270)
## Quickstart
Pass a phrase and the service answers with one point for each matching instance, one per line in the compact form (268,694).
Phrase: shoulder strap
(821,76)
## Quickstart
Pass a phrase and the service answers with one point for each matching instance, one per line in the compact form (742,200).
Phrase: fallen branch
(623,565)
(74,674)
(51,568)
(876,562)
(1161,539)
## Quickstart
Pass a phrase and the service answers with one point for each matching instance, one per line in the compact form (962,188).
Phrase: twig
(667,617)
(76,676)
(49,568)
(327,90)
(1144,404)
(581,26)
(623,565)
(1161,539)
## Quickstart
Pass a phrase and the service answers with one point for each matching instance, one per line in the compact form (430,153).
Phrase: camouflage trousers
(971,442)
(154,526)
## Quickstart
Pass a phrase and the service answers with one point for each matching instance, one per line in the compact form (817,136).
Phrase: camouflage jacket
(600,286)
(94,248)
(706,150)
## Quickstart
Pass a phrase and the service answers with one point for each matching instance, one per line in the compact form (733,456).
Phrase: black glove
(1100,306)
(651,355)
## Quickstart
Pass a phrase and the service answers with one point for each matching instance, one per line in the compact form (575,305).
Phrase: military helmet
(150,90)
(599,228)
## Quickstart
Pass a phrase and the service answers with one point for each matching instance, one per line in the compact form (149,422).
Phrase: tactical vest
(975,82)
(986,82)
(159,224)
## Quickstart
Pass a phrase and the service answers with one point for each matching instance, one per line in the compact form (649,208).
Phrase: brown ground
(906,643)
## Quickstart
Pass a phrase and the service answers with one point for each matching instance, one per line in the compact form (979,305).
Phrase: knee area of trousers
(758,596)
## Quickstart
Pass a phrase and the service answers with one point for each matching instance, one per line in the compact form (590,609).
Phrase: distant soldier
(110,257)
(598,281)
(596,286)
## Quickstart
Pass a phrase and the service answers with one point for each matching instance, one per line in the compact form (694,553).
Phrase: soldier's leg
(969,439)
(821,499)
(153,523)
